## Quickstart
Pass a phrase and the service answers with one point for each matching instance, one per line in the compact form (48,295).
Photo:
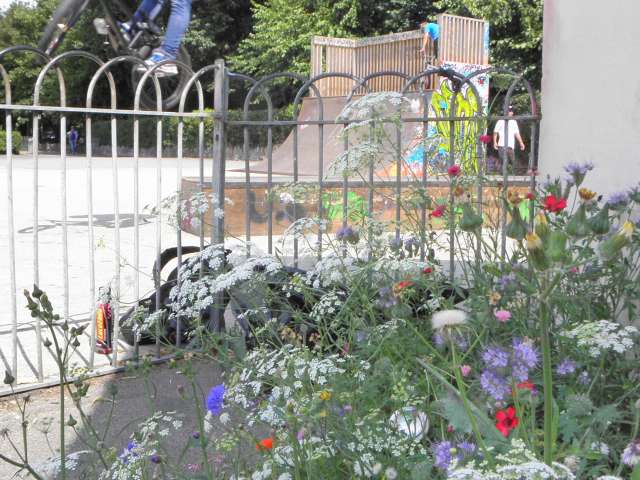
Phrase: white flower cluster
(356,160)
(374,105)
(332,270)
(517,464)
(602,336)
(303,227)
(328,306)
(144,444)
(397,269)
(194,294)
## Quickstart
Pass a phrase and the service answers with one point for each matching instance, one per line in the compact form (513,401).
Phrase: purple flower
(155,459)
(494,385)
(505,281)
(347,234)
(520,372)
(583,378)
(128,452)
(631,454)
(525,353)
(566,367)
(618,199)
(439,340)
(215,399)
(467,448)
(575,168)
(442,455)
(495,357)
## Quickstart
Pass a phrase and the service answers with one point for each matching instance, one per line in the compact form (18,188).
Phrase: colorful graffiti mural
(434,146)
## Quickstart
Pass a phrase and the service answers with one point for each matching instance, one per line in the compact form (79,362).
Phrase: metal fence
(102,229)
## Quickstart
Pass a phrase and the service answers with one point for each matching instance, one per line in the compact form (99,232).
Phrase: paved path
(51,244)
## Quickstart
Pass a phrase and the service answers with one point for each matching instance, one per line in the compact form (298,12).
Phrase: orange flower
(265,444)
(398,287)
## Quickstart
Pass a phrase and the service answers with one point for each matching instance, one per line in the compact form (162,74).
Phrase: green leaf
(486,426)
(453,411)
(422,471)
(635,475)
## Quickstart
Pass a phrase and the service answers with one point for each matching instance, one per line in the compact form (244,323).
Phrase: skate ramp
(333,145)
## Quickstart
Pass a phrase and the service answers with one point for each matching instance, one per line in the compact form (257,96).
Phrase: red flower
(427,270)
(530,196)
(453,170)
(553,204)
(398,287)
(438,211)
(526,385)
(265,444)
(506,420)
(486,139)
(450,428)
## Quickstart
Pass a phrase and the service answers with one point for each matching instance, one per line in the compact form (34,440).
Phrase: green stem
(634,434)
(465,403)
(548,382)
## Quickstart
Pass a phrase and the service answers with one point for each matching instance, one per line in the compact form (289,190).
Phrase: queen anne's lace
(602,336)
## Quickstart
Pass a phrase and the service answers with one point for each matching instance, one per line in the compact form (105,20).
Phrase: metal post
(217,176)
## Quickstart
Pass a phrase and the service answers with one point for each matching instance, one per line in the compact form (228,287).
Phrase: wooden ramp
(309,156)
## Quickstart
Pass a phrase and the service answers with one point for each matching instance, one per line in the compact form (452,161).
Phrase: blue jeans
(178,21)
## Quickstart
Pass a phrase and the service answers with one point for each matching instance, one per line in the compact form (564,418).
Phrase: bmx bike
(147,37)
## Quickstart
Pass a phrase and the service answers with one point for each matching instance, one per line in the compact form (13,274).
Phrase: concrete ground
(170,391)
(49,226)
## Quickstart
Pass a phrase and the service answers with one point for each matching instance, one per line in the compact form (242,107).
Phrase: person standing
(505,146)
(74,136)
(431,34)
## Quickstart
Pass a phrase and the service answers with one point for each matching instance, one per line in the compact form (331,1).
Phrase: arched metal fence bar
(63,176)
(260,85)
(258,88)
(310,85)
(113,102)
(10,212)
(136,142)
(195,79)
(398,148)
(13,368)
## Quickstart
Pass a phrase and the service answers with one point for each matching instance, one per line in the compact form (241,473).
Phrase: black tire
(171,86)
(61,21)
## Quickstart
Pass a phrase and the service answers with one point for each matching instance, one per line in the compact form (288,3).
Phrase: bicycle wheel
(170,86)
(62,20)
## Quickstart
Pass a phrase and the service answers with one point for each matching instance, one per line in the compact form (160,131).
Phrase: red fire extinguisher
(104,324)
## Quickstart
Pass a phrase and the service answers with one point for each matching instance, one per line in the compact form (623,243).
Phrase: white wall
(591,90)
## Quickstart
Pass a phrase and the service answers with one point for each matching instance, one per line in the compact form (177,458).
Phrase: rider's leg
(178,24)
(148,9)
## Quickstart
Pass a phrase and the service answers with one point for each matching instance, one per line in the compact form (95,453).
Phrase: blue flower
(495,357)
(575,168)
(494,385)
(215,399)
(442,455)
(525,353)
(618,199)
(566,367)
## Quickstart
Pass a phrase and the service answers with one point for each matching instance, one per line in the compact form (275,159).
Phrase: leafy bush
(16,141)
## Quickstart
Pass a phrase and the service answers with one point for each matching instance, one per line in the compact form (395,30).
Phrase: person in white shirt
(502,143)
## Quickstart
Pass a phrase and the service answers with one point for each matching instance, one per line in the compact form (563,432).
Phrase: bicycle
(148,37)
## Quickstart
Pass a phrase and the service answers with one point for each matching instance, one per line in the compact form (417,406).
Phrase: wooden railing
(464,40)
(461,40)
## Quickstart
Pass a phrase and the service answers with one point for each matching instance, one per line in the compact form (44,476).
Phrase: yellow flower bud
(586,194)
(533,241)
(325,395)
